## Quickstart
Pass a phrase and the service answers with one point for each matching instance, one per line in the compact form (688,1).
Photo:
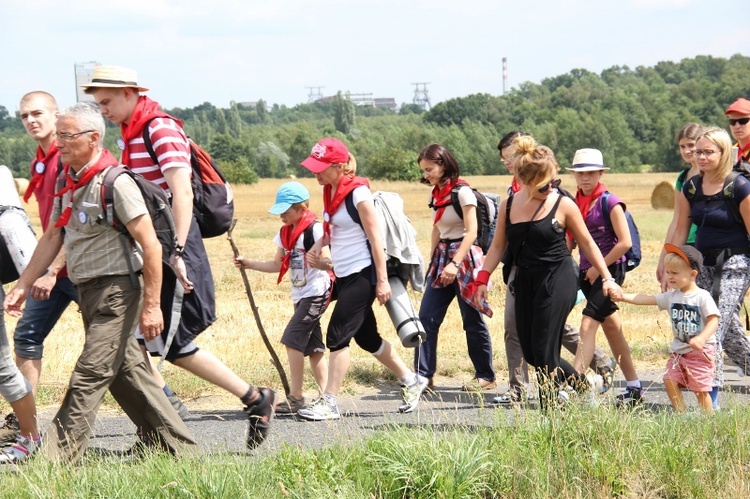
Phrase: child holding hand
(695,318)
(311,288)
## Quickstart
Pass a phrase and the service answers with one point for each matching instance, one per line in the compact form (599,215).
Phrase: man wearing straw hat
(118,93)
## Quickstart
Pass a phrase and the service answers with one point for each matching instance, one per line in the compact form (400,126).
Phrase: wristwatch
(455,263)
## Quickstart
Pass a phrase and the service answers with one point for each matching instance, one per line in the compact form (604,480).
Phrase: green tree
(344,117)
(221,121)
(234,122)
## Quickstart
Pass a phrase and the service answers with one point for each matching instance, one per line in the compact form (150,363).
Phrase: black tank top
(539,242)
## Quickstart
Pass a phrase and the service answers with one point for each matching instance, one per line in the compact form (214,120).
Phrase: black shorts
(599,306)
(303,331)
(352,316)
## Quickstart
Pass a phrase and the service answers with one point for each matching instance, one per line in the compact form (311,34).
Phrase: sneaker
(564,395)
(630,398)
(181,408)
(596,382)
(260,413)
(19,451)
(430,385)
(514,397)
(412,394)
(291,405)
(10,430)
(478,385)
(320,410)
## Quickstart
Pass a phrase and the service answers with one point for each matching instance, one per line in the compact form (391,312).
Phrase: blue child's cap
(288,194)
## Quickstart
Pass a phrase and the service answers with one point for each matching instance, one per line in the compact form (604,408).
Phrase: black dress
(545,288)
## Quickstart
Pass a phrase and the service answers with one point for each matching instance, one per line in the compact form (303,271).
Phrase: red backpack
(213,200)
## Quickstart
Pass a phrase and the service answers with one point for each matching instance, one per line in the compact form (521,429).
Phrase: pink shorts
(694,370)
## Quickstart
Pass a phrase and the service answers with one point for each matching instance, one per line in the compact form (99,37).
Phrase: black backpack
(213,200)
(157,203)
(633,255)
(727,190)
(487,207)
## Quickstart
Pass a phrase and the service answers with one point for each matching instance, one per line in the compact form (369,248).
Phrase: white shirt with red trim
(172,150)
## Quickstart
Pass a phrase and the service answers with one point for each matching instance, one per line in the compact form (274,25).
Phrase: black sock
(249,395)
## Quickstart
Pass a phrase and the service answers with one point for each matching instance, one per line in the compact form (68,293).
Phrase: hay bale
(21,185)
(663,196)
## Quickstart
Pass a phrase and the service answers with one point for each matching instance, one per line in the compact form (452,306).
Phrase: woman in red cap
(357,251)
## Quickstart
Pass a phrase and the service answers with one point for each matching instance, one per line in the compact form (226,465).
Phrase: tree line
(631,115)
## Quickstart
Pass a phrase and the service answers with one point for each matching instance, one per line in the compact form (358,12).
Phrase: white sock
(409,379)
(634,384)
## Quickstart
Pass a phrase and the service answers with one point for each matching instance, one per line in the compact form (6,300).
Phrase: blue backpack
(633,255)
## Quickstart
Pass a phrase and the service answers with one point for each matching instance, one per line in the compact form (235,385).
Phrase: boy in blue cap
(311,288)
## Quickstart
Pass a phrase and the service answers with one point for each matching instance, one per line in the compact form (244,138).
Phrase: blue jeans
(432,311)
(39,317)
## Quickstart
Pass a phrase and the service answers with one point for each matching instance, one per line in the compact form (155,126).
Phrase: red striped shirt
(170,145)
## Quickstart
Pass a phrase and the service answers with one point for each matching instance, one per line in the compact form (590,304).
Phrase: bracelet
(455,263)
(482,278)
(179,250)
(608,279)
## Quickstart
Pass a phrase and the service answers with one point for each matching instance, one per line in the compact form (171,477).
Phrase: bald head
(42,97)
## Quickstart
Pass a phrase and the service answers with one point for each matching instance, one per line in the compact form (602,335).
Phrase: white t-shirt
(306,281)
(451,226)
(349,249)
(688,313)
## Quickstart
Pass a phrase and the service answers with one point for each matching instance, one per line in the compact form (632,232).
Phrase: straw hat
(114,77)
(587,160)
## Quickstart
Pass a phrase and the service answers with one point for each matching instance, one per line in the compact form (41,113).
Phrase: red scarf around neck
(741,151)
(145,110)
(441,197)
(105,160)
(584,202)
(289,238)
(36,176)
(332,201)
(515,185)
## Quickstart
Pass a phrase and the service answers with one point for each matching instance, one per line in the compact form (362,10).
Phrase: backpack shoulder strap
(727,191)
(352,210)
(455,202)
(309,238)
(682,177)
(507,208)
(108,198)
(605,208)
(147,142)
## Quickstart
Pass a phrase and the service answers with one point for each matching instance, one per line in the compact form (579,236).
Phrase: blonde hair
(675,259)
(536,164)
(301,205)
(720,138)
(350,167)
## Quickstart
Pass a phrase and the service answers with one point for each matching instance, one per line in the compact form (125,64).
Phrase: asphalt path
(223,430)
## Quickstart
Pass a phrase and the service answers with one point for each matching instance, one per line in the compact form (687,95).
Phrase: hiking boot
(320,410)
(260,413)
(19,451)
(632,397)
(10,430)
(478,385)
(430,385)
(291,405)
(181,409)
(411,394)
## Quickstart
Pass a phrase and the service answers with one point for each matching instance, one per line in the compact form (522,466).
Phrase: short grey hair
(88,116)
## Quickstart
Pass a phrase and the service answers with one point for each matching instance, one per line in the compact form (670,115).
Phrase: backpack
(727,190)
(633,255)
(157,203)
(487,207)
(213,200)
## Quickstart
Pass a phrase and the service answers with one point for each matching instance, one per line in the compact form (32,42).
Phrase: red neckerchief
(584,202)
(105,160)
(441,197)
(145,110)
(36,176)
(331,203)
(289,240)
(515,185)
(742,150)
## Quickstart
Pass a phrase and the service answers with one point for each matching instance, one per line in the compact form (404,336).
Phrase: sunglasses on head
(553,184)
(741,121)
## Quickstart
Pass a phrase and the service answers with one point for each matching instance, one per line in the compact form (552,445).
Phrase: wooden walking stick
(256,313)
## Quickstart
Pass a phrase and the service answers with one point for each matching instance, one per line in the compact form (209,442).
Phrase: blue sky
(188,52)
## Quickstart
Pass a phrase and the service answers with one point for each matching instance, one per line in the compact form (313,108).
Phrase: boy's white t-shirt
(306,281)
(349,249)
(688,314)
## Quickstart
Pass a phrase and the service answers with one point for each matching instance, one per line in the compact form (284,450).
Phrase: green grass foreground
(579,452)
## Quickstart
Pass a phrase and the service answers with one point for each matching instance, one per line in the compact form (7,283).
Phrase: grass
(579,453)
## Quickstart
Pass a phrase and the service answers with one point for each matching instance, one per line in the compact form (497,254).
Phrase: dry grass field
(235,339)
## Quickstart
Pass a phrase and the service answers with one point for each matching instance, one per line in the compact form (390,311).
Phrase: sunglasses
(553,184)
(741,121)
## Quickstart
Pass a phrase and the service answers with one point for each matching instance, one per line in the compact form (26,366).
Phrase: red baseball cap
(740,106)
(325,153)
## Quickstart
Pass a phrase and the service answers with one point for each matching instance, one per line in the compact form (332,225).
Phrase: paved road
(224,430)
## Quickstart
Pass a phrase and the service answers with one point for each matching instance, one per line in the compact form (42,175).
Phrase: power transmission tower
(421,96)
(314,95)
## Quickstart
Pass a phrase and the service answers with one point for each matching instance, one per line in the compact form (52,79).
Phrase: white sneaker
(596,381)
(563,396)
(412,394)
(320,410)
(20,451)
